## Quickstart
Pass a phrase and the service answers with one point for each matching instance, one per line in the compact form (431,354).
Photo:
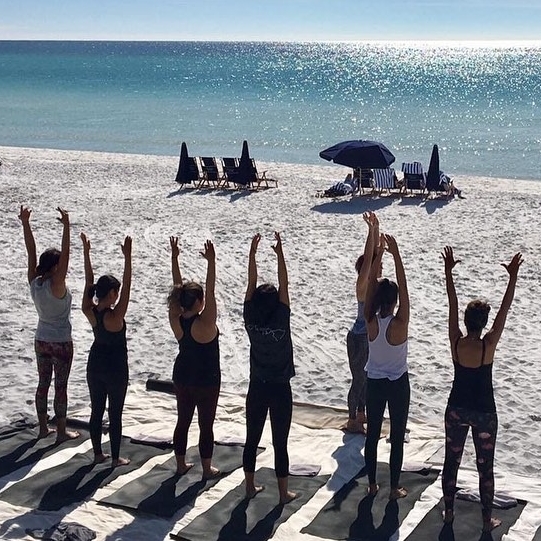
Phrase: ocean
(480,104)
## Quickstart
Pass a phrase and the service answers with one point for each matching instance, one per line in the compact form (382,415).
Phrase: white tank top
(384,359)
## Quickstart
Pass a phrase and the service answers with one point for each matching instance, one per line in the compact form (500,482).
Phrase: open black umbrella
(359,153)
(187,168)
(433,175)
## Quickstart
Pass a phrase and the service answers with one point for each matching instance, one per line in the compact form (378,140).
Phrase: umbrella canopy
(186,166)
(433,175)
(358,153)
(245,173)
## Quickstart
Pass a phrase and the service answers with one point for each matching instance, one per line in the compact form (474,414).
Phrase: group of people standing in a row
(377,349)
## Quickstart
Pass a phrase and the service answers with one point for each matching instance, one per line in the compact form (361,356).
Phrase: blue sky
(280,20)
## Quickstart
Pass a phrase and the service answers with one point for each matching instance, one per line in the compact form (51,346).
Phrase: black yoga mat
(537,536)
(162,492)
(76,479)
(236,518)
(467,525)
(23,448)
(352,514)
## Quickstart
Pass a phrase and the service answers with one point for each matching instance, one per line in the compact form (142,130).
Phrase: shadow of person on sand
(355,205)
(363,527)
(346,456)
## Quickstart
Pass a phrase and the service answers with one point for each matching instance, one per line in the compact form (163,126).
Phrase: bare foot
(120,461)
(373,489)
(448,517)
(183,468)
(397,493)
(361,417)
(98,459)
(493,523)
(42,435)
(289,497)
(250,493)
(67,435)
(354,426)
(211,474)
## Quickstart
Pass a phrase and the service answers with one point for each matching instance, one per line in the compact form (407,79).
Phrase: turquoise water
(289,100)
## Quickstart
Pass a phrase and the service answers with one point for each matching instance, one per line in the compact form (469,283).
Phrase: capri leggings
(57,357)
(357,346)
(205,399)
(484,430)
(276,399)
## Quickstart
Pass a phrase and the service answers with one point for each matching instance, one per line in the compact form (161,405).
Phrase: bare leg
(182,466)
(251,488)
(44,429)
(286,495)
(62,433)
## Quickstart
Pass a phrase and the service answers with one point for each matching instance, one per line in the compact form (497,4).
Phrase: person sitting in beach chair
(447,184)
(348,186)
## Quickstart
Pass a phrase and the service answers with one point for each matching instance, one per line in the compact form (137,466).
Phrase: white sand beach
(111,195)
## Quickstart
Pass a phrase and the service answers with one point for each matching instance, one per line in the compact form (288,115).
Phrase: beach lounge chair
(261,180)
(211,176)
(230,167)
(193,174)
(385,179)
(366,180)
(414,177)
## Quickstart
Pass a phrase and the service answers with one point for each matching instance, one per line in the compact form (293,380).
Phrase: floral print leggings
(57,357)
(484,429)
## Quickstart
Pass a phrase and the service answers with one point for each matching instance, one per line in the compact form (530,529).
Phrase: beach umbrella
(185,173)
(245,172)
(359,153)
(433,175)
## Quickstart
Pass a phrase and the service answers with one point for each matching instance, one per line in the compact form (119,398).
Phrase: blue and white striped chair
(384,179)
(414,176)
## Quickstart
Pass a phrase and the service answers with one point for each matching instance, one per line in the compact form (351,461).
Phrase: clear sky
(272,20)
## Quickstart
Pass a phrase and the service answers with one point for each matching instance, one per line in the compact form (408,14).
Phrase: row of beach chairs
(205,172)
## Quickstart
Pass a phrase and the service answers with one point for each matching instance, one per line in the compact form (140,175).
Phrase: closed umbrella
(359,153)
(433,175)
(245,172)
(186,166)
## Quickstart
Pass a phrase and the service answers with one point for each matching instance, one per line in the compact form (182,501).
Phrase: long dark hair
(47,260)
(385,297)
(185,295)
(102,287)
(265,300)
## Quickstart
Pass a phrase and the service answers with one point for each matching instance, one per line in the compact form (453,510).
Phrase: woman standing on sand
(196,374)
(267,322)
(53,343)
(107,368)
(357,342)
(387,368)
(471,401)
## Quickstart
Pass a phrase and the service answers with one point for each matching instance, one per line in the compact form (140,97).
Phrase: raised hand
(86,243)
(449,258)
(392,246)
(64,216)
(255,243)
(208,252)
(175,251)
(513,266)
(278,246)
(24,214)
(126,247)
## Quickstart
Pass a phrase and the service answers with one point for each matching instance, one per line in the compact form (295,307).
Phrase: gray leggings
(357,345)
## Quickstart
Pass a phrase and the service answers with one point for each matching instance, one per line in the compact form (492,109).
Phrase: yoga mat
(162,492)
(467,525)
(537,536)
(352,514)
(9,430)
(236,518)
(22,448)
(76,479)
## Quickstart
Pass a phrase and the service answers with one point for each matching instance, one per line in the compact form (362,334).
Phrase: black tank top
(196,364)
(472,387)
(109,352)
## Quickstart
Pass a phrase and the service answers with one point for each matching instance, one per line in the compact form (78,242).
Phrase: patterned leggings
(484,429)
(57,357)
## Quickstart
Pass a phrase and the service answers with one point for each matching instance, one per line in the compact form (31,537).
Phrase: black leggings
(379,393)
(277,400)
(103,386)
(205,399)
(484,430)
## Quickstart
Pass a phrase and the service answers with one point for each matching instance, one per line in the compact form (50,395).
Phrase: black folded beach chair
(366,180)
(260,179)
(230,168)
(211,176)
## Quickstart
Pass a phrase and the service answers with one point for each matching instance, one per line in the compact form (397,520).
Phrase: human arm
(454,328)
(369,251)
(493,336)
(210,312)
(121,307)
(372,282)
(87,303)
(59,277)
(175,268)
(403,312)
(252,268)
(29,242)
(283,283)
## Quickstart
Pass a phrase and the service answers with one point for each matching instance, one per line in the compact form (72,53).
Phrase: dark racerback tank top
(196,364)
(472,386)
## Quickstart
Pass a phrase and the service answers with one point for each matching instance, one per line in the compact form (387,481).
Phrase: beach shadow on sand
(355,205)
